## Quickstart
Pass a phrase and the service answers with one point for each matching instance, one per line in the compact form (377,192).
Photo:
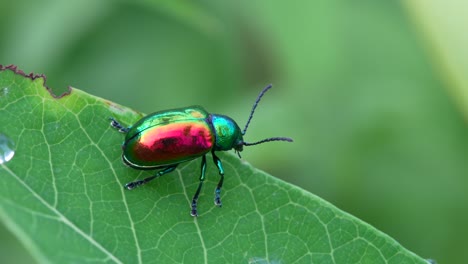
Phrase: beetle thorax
(227,132)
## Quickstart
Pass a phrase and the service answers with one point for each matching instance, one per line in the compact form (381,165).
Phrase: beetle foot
(133,185)
(217,201)
(115,124)
(194,213)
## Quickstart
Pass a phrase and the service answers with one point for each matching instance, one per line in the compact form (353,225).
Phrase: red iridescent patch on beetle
(171,143)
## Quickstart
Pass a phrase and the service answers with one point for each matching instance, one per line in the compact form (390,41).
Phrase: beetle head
(228,134)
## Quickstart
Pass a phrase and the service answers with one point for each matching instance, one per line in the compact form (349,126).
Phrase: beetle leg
(197,193)
(217,161)
(115,124)
(132,185)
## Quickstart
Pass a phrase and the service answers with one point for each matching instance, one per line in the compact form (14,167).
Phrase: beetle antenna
(268,140)
(255,106)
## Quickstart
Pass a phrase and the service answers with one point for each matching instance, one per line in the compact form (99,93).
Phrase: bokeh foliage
(364,89)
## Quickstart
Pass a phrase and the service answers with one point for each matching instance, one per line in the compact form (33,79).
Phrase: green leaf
(62,195)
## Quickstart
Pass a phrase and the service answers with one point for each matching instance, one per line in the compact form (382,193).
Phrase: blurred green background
(374,93)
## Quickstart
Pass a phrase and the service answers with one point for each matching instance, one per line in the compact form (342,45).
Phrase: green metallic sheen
(227,132)
(168,137)
(219,133)
(167,116)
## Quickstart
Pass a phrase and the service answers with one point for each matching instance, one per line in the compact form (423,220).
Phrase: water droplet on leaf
(7,150)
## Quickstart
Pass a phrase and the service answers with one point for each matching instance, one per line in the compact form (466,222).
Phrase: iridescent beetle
(164,139)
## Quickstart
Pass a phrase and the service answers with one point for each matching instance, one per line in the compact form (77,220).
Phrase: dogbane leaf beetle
(164,139)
